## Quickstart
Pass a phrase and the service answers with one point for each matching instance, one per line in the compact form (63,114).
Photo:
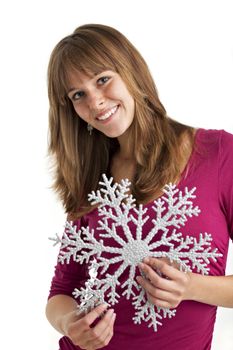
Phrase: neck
(126,149)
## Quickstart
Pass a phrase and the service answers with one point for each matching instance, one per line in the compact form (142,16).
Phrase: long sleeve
(226,178)
(67,277)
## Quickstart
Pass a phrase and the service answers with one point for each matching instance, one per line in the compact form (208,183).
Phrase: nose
(95,99)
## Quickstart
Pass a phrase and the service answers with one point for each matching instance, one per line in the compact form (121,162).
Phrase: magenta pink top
(211,172)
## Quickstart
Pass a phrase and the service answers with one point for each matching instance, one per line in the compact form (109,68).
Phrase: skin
(61,312)
(96,94)
(175,286)
(81,333)
(167,290)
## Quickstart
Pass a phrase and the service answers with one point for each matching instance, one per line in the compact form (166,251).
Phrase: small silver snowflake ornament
(116,208)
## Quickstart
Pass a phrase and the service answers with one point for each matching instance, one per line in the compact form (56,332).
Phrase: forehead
(77,79)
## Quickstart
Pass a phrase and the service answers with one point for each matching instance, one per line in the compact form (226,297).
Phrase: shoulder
(219,141)
(215,134)
(213,151)
(226,155)
(208,135)
(225,175)
(226,142)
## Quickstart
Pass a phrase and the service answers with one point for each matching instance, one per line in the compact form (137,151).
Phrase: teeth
(108,114)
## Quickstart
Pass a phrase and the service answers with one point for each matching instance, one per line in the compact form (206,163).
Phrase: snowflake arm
(139,222)
(113,198)
(148,313)
(178,209)
(73,245)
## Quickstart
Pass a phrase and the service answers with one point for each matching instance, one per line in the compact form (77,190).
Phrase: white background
(188,46)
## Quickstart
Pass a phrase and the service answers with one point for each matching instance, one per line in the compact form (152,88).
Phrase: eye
(77,95)
(103,80)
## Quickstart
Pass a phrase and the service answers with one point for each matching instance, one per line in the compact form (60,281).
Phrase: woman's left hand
(168,287)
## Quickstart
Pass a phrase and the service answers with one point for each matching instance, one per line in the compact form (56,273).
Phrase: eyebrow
(73,89)
(95,74)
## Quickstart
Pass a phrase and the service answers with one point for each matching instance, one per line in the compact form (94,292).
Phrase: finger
(108,332)
(110,335)
(146,285)
(102,326)
(154,278)
(173,263)
(101,336)
(161,303)
(162,266)
(88,319)
(158,297)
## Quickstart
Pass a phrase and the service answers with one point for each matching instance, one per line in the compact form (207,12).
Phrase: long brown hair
(78,159)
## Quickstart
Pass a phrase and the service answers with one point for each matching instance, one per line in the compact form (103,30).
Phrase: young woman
(106,118)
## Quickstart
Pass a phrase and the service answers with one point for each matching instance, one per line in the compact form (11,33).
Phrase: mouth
(106,116)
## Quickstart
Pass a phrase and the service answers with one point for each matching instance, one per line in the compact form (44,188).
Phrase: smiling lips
(107,114)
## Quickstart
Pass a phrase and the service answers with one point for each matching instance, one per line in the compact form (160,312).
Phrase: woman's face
(103,101)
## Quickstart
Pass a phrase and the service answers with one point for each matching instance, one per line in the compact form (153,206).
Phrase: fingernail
(111,311)
(146,260)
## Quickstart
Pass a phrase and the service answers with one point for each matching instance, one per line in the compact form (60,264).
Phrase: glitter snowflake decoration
(116,208)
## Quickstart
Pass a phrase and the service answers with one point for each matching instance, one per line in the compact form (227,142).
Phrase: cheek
(128,98)
(80,112)
(131,105)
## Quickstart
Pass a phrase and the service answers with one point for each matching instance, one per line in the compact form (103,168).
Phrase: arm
(61,311)
(214,290)
(58,306)
(177,286)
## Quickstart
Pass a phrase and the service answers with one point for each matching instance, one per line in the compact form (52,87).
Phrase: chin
(114,134)
(117,132)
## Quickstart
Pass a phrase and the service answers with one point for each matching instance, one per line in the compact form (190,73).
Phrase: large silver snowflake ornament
(116,208)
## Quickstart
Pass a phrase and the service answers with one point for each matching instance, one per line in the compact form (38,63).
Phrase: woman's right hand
(79,329)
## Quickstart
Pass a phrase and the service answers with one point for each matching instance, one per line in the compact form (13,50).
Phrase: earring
(89,128)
